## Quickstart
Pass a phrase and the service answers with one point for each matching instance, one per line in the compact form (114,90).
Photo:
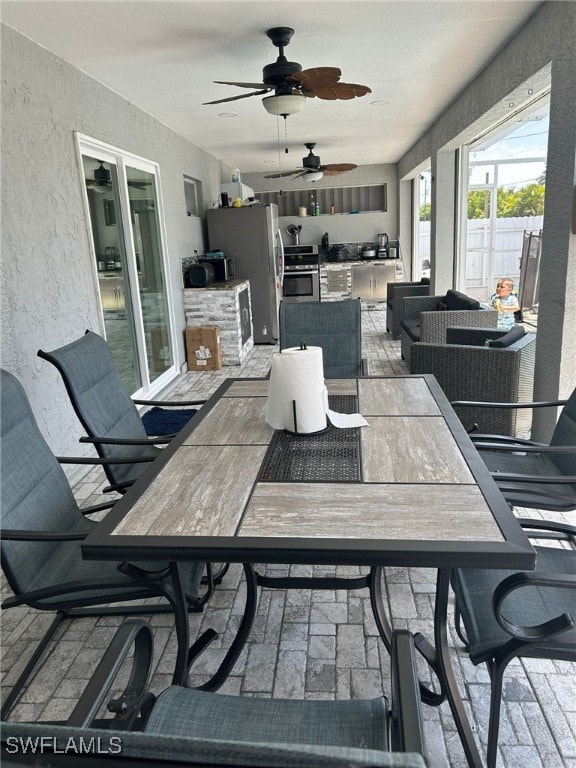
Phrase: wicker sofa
(396,292)
(426,318)
(467,369)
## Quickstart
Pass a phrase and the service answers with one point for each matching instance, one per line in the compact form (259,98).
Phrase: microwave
(223,268)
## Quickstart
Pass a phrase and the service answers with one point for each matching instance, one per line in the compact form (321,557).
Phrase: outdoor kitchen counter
(227,305)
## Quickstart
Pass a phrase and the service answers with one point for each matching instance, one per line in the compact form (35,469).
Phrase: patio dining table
(409,489)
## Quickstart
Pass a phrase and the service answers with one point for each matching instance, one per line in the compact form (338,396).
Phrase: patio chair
(507,615)
(336,326)
(188,727)
(396,292)
(42,530)
(105,410)
(426,318)
(531,474)
(467,369)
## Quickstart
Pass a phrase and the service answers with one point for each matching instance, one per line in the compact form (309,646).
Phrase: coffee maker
(382,245)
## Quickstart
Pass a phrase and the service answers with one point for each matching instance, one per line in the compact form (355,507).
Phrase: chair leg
(29,668)
(496,678)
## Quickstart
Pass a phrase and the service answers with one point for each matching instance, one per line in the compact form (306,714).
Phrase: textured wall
(49,289)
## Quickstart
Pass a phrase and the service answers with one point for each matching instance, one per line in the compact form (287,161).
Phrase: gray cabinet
(370,281)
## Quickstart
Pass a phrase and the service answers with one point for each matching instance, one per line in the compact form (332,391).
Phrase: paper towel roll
(297,383)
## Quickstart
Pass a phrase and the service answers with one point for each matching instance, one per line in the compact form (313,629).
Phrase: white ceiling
(163,55)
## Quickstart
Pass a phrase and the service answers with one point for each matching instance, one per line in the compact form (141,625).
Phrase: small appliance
(223,268)
(199,275)
(382,245)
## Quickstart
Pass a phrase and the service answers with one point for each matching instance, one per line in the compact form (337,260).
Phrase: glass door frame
(121,158)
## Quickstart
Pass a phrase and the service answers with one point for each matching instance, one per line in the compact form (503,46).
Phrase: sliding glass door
(124,204)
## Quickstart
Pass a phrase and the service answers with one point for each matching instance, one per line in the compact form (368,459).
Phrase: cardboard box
(203,351)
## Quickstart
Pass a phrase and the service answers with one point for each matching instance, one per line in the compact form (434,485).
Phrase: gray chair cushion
(413,327)
(474,587)
(185,712)
(508,338)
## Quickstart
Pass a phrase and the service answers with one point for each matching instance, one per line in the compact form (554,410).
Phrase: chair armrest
(169,403)
(481,404)
(97,507)
(524,447)
(8,534)
(125,441)
(546,525)
(514,477)
(541,632)
(406,727)
(133,633)
(101,462)
(364,367)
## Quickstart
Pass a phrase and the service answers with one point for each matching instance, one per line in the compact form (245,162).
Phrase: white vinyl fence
(490,254)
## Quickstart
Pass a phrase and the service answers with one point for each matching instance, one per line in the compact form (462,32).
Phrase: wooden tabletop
(423,496)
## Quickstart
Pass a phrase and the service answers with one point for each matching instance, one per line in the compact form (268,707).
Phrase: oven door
(301,286)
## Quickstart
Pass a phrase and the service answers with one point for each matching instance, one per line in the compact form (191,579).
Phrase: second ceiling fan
(311,166)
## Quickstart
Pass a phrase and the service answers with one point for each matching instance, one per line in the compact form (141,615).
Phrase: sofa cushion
(509,338)
(456,300)
(425,280)
(412,326)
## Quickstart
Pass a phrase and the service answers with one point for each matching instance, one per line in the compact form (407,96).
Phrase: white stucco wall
(49,294)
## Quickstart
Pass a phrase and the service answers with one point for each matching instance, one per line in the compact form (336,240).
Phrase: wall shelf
(370,197)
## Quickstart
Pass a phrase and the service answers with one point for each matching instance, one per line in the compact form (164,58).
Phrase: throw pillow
(509,338)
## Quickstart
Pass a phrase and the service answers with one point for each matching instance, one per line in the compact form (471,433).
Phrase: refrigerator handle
(280,255)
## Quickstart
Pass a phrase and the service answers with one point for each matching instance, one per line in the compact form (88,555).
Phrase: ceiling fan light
(288,104)
(316,176)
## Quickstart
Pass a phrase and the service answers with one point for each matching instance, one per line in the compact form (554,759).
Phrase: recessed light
(380,102)
(228,114)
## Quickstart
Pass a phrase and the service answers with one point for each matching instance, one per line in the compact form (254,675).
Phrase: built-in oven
(301,273)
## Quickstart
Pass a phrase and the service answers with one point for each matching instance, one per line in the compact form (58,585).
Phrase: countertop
(229,285)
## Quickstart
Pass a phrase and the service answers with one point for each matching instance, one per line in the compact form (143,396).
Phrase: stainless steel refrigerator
(251,237)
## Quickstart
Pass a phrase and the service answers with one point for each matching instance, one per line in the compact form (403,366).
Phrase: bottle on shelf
(317,209)
(312,205)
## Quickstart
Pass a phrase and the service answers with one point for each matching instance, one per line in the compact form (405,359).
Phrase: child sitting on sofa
(505,302)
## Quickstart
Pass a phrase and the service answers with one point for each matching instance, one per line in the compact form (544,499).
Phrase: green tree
(526,201)
(425,212)
(478,204)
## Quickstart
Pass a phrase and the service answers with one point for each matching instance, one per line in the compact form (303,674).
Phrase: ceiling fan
(291,84)
(312,167)
(102,178)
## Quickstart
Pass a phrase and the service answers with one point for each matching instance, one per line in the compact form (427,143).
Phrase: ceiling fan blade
(235,98)
(343,91)
(302,174)
(280,175)
(333,168)
(242,85)
(316,77)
